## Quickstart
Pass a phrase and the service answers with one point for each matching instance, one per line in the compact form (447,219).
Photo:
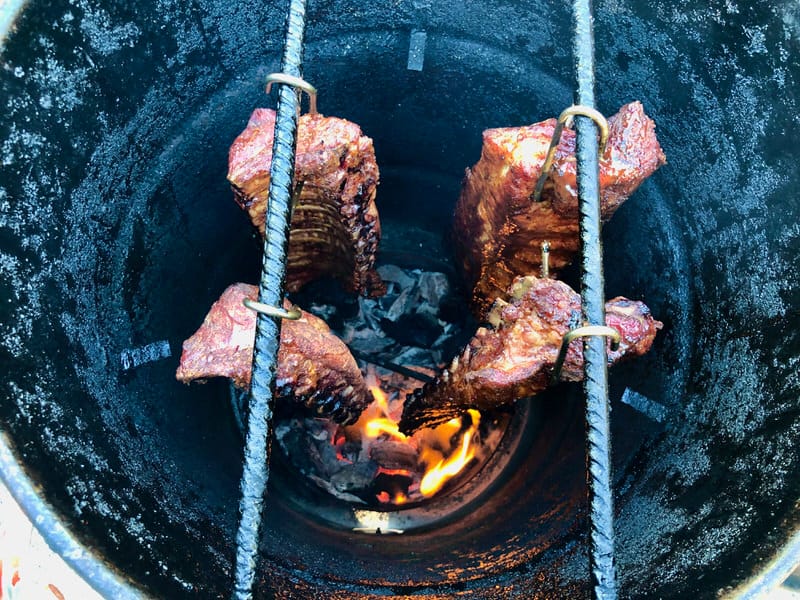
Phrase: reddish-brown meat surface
(499,230)
(335,225)
(514,356)
(314,366)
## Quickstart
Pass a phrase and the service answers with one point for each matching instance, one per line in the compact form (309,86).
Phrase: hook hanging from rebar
(298,83)
(565,120)
(586,331)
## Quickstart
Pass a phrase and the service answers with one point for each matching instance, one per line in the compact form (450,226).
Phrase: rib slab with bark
(499,230)
(335,227)
(315,367)
(514,355)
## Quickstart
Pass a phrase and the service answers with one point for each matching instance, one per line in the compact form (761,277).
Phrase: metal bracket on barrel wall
(270,294)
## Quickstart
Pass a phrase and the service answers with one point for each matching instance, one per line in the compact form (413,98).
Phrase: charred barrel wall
(117,232)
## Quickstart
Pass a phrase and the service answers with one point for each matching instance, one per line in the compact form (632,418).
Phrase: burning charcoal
(354,478)
(319,429)
(499,230)
(391,488)
(394,455)
(310,454)
(334,467)
(513,356)
(399,383)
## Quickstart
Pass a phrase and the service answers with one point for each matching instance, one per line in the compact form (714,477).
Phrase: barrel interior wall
(118,232)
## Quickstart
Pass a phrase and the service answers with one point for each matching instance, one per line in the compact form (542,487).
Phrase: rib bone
(335,227)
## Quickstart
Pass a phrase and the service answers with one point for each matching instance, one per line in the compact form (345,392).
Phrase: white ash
(394,274)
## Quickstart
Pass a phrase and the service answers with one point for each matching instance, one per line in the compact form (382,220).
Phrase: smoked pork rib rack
(335,227)
(499,229)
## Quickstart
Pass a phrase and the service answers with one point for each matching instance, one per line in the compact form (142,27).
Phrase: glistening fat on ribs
(499,230)
(513,357)
(315,367)
(335,227)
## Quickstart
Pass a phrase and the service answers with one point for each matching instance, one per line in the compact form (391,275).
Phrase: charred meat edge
(335,227)
(513,356)
(315,368)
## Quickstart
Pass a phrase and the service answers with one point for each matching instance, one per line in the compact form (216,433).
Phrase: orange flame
(377,426)
(375,420)
(442,462)
(381,400)
(435,477)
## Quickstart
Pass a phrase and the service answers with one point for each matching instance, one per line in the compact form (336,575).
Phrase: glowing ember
(399,472)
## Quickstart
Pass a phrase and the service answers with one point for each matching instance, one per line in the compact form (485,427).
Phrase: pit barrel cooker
(118,232)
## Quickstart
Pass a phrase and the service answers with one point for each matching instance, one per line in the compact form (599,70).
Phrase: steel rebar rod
(271,290)
(601,505)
